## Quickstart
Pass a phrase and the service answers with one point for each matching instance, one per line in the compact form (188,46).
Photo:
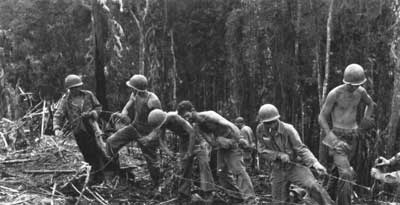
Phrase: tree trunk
(174,73)
(142,48)
(391,128)
(232,26)
(328,49)
(100,26)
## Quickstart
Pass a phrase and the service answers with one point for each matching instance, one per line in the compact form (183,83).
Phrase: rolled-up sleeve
(59,115)
(300,148)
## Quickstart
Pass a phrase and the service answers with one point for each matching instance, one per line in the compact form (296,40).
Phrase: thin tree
(391,128)
(100,32)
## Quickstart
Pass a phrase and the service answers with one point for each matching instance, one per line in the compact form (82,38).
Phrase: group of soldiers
(275,141)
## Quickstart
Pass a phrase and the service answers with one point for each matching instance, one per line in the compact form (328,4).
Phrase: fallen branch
(52,193)
(76,189)
(97,198)
(16,161)
(88,169)
(46,171)
(169,201)
(9,189)
(4,139)
(19,202)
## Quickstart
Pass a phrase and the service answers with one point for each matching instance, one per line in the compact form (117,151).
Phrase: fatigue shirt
(286,140)
(71,112)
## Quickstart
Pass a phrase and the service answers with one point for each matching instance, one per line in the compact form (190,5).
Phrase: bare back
(212,122)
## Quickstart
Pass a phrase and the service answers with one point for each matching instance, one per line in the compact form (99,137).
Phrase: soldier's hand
(367,123)
(243,144)
(376,174)
(58,133)
(320,169)
(381,161)
(145,140)
(342,146)
(284,157)
(90,114)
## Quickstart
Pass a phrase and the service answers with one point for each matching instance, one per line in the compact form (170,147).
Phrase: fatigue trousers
(341,190)
(298,175)
(206,178)
(232,160)
(130,133)
(92,153)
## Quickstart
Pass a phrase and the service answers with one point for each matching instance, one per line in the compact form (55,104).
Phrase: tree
(100,33)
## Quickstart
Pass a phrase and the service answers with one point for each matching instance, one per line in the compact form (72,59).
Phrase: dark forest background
(230,56)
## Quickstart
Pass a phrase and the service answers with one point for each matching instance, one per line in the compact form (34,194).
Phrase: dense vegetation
(230,56)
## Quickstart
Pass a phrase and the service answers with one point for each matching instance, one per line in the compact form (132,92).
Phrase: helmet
(268,113)
(138,82)
(239,120)
(354,75)
(73,81)
(156,118)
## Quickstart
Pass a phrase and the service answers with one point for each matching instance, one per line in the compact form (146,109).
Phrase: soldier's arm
(154,103)
(95,103)
(189,129)
(163,140)
(127,106)
(300,148)
(369,103)
(59,115)
(205,136)
(251,137)
(326,110)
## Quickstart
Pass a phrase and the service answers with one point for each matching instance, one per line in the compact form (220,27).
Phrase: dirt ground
(51,170)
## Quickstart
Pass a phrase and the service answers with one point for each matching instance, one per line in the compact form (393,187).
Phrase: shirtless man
(189,148)
(224,136)
(343,137)
(143,102)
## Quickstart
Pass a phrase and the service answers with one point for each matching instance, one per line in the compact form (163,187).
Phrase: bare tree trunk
(174,73)
(140,23)
(391,128)
(328,50)
(233,59)
(142,48)
(100,28)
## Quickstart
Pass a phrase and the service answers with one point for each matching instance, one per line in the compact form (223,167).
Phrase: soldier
(189,147)
(280,143)
(142,102)
(81,108)
(342,139)
(224,136)
(390,177)
(250,152)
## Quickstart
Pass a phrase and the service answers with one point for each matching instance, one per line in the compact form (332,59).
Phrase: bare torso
(344,112)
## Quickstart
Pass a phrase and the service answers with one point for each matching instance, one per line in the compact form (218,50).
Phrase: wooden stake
(43,115)
(46,171)
(16,161)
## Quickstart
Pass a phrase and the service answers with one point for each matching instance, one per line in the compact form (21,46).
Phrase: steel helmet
(354,75)
(73,81)
(268,113)
(156,118)
(138,82)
